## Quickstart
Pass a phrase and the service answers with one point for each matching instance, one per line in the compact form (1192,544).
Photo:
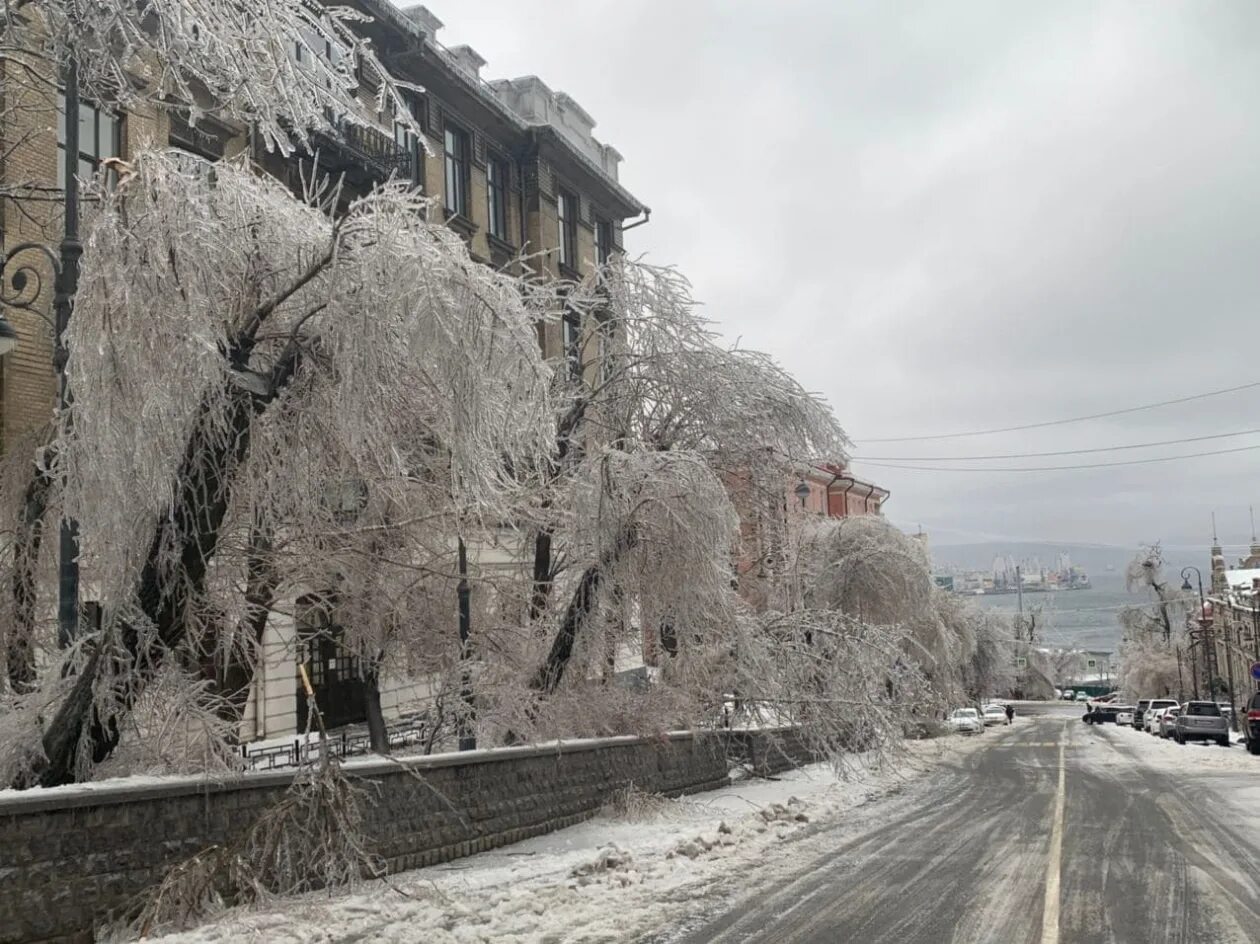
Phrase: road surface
(1056,832)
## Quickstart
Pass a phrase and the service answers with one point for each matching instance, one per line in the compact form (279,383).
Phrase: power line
(1073,419)
(1063,452)
(1061,468)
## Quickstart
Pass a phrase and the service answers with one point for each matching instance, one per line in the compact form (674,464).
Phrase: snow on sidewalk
(612,878)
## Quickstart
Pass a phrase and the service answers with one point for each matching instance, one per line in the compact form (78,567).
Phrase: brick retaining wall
(70,855)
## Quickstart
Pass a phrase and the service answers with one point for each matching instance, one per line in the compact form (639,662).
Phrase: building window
(603,241)
(496,189)
(566,214)
(572,338)
(456,171)
(606,350)
(100,137)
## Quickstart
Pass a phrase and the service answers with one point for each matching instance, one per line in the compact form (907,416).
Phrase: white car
(965,721)
(1150,720)
(1068,694)
(1082,696)
(1125,715)
(994,714)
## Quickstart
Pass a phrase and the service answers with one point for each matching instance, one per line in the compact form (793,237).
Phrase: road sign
(1255,671)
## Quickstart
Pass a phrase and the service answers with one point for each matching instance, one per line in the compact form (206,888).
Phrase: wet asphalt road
(1056,832)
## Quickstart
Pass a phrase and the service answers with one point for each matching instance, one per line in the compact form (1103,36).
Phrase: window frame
(571,341)
(566,224)
(94,157)
(603,240)
(497,176)
(455,169)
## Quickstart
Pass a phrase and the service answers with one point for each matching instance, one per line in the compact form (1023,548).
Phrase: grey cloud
(950,216)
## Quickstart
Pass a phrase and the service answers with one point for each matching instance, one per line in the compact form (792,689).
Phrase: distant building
(835,492)
(1234,611)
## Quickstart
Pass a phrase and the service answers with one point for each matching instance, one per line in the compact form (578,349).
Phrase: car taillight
(1253,716)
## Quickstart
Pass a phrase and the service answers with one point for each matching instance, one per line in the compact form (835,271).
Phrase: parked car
(1124,714)
(1100,714)
(1150,721)
(1068,694)
(1167,721)
(1228,711)
(1058,694)
(1082,696)
(994,714)
(1201,721)
(1139,711)
(965,721)
(1251,723)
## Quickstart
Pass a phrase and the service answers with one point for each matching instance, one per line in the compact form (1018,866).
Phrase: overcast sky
(953,216)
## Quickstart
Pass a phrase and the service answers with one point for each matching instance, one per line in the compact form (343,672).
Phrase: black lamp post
(22,290)
(802,491)
(1205,623)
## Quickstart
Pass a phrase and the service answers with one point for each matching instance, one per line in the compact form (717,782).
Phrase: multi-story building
(512,166)
(1233,620)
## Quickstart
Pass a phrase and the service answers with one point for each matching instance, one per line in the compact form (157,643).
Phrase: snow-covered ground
(1194,756)
(623,874)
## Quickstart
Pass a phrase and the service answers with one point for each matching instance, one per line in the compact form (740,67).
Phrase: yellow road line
(1050,914)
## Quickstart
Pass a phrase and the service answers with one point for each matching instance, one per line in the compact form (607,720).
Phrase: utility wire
(1073,419)
(1063,452)
(1060,468)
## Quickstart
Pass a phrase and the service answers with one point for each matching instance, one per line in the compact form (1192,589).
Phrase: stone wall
(70,855)
(766,752)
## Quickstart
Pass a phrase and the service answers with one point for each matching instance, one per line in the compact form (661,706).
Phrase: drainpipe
(647,215)
(848,488)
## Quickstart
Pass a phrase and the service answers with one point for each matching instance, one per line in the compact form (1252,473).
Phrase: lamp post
(1205,624)
(802,492)
(27,287)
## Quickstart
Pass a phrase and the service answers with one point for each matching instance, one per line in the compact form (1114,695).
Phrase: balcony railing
(351,147)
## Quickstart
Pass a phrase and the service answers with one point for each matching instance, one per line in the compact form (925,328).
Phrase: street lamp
(1185,583)
(802,491)
(22,291)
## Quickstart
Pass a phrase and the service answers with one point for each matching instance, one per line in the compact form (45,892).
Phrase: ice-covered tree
(234,60)
(327,400)
(1154,631)
(648,392)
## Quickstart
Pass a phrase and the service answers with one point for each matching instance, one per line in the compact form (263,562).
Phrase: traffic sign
(1255,671)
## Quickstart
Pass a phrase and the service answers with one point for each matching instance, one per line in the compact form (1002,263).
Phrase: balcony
(364,154)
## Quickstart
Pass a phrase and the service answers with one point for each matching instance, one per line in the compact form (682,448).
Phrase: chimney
(424,17)
(468,59)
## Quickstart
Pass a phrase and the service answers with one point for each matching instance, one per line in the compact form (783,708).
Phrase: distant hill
(1092,558)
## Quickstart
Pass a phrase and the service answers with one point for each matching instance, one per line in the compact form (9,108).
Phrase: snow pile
(613,878)
(1197,756)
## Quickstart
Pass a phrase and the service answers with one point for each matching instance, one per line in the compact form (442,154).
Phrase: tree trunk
(19,640)
(548,676)
(544,554)
(543,575)
(190,524)
(372,706)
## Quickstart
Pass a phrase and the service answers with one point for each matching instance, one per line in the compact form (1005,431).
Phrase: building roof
(525,104)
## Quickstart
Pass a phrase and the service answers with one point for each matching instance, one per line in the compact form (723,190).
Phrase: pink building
(837,493)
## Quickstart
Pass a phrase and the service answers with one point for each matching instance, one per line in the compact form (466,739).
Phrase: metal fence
(345,742)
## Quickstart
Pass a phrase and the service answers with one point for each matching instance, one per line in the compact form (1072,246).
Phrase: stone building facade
(511,165)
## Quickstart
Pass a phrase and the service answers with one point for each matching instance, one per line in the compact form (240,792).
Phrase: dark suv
(1201,721)
(1250,723)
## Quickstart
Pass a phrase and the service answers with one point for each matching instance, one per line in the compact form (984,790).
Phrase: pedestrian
(1010,714)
